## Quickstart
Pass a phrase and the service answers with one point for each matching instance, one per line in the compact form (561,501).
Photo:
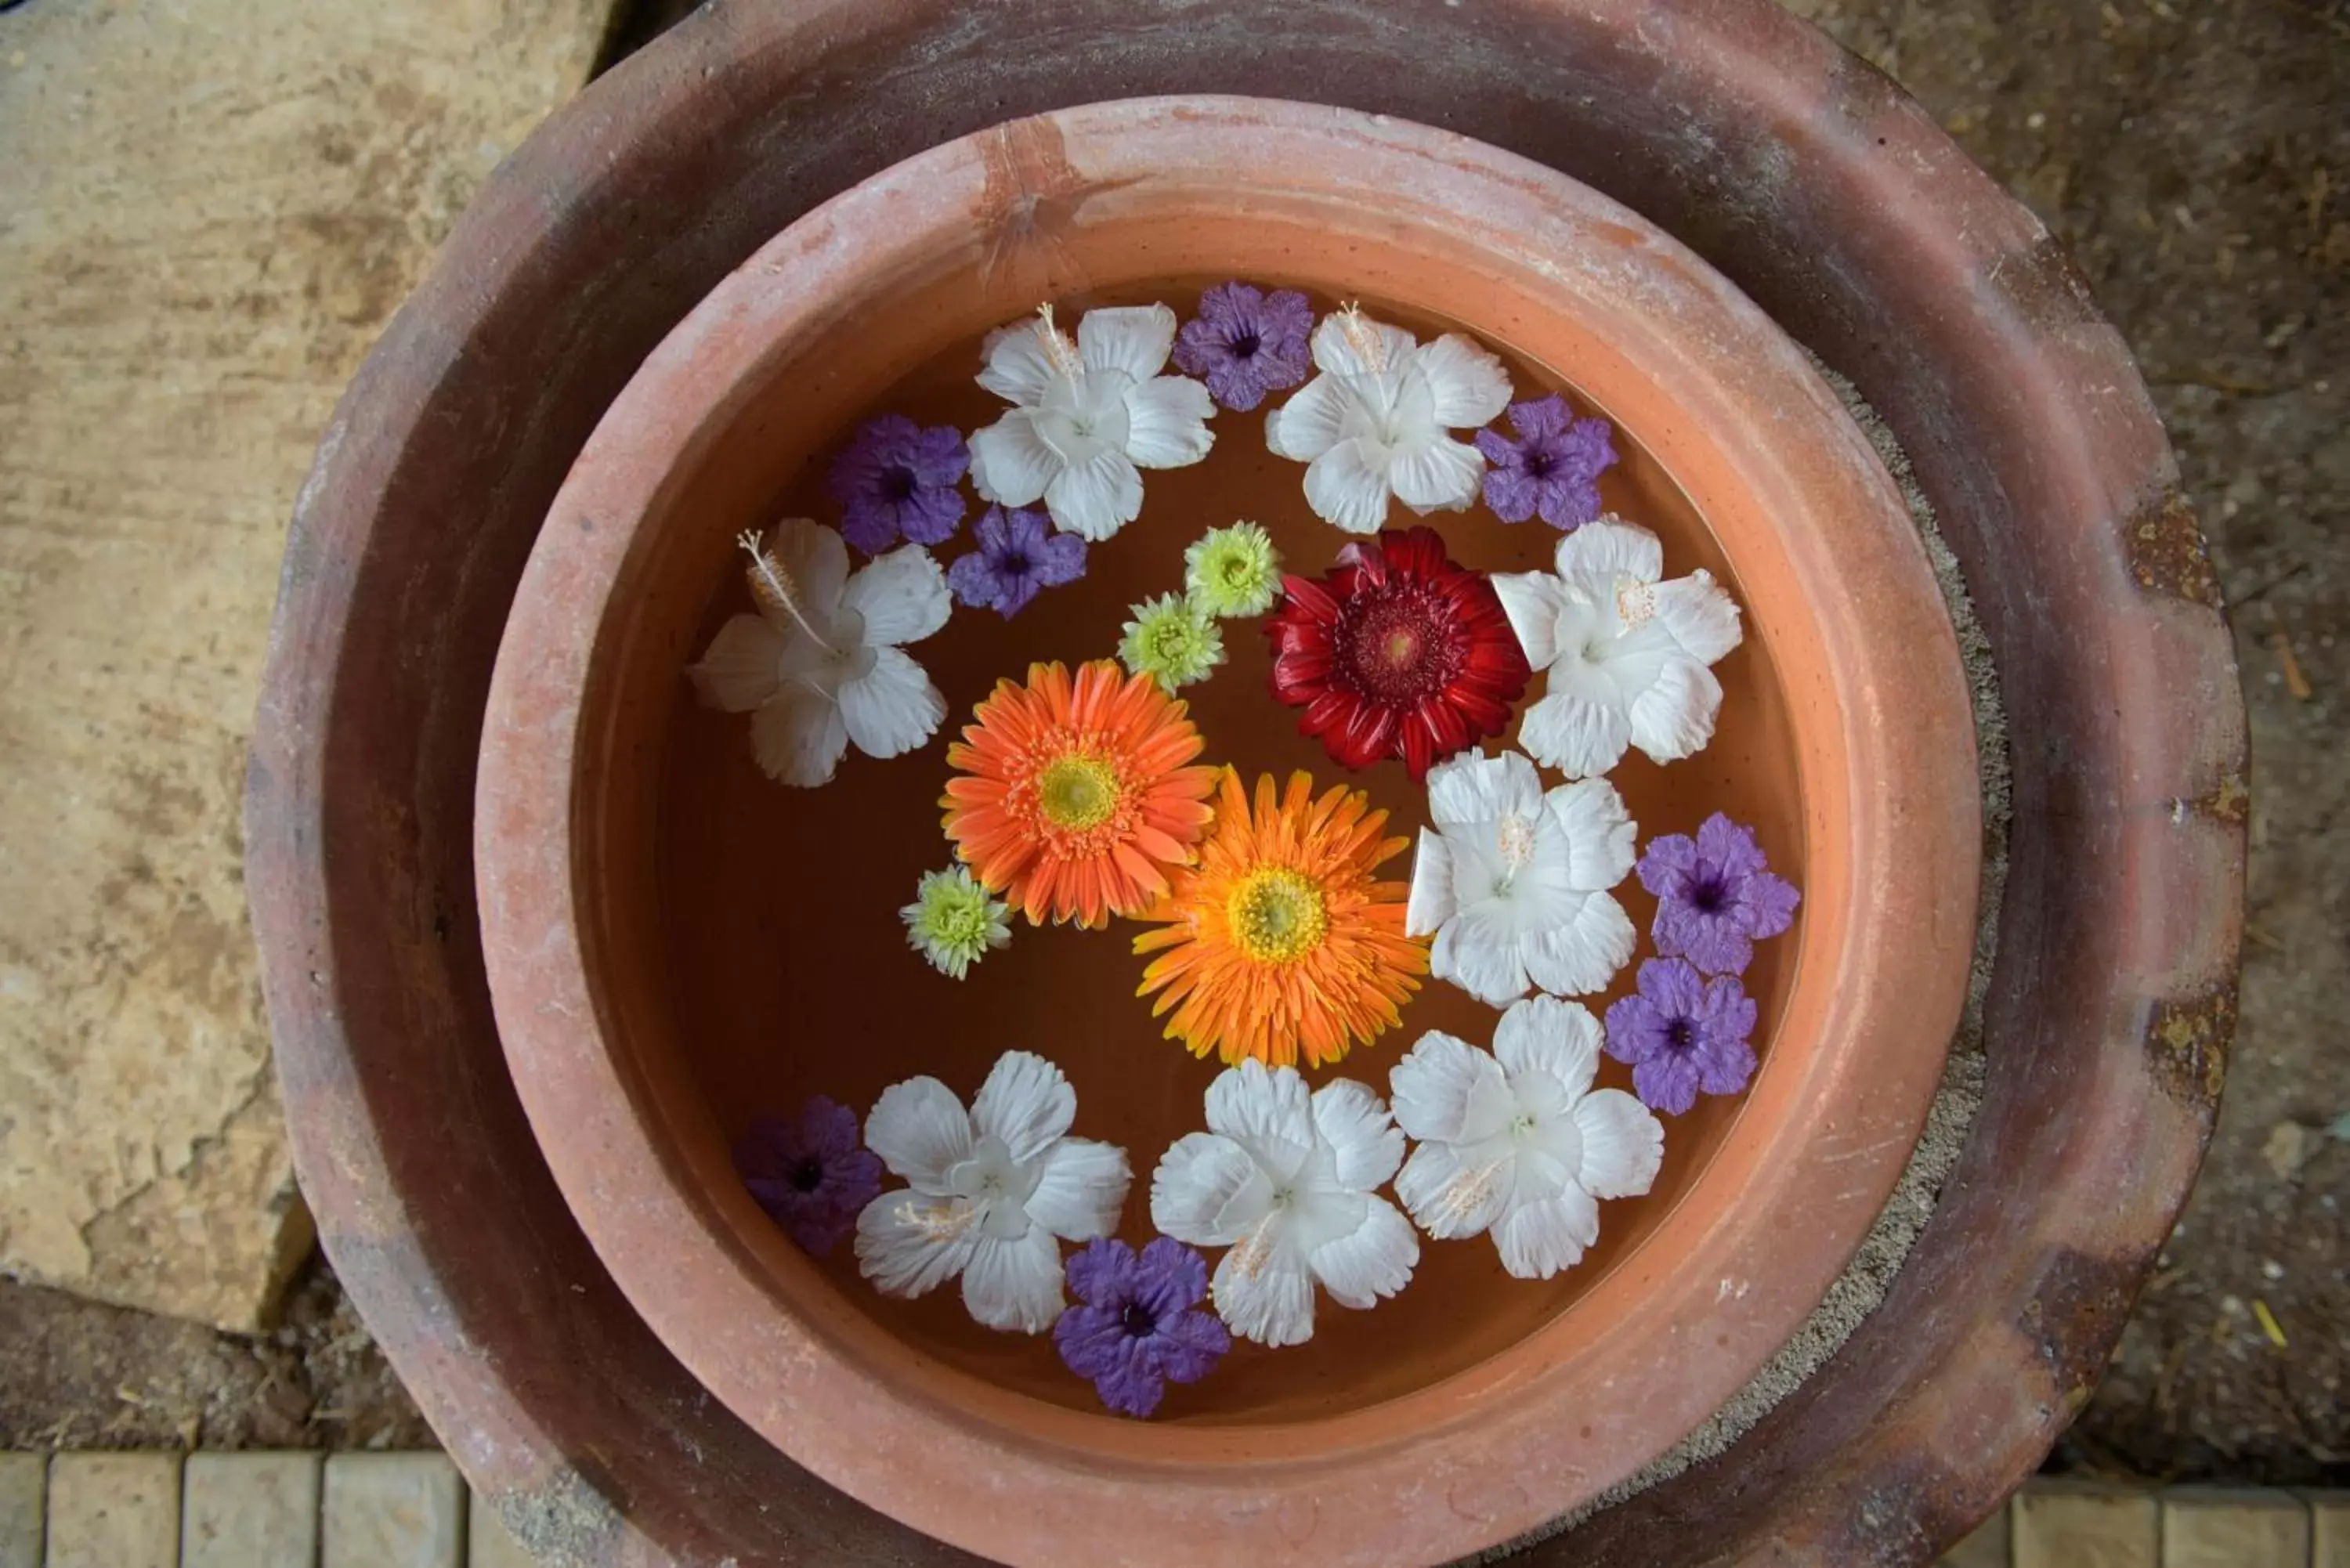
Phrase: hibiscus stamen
(771,584)
(1363,336)
(941,1223)
(1513,836)
(1057,347)
(1635,601)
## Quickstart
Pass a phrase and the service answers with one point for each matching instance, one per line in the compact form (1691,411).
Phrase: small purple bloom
(1714,896)
(1553,468)
(1682,1032)
(1246,343)
(811,1176)
(1018,554)
(897,480)
(1133,1331)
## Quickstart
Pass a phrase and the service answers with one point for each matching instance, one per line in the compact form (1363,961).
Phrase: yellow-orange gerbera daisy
(1076,800)
(1279,944)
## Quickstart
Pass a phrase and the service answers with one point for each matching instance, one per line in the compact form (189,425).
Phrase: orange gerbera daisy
(1076,800)
(1278,943)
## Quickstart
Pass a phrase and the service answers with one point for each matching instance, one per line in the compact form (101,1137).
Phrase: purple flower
(1553,468)
(1714,898)
(1018,554)
(1682,1032)
(897,480)
(811,1176)
(1133,1329)
(1246,343)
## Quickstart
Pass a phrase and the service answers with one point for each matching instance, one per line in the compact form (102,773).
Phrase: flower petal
(1595,555)
(1166,422)
(909,1243)
(1447,1090)
(1307,425)
(919,1130)
(1432,901)
(1345,490)
(1339,340)
(1623,1144)
(1268,1111)
(1470,387)
(1544,1034)
(1598,832)
(1533,601)
(816,558)
(1017,368)
(1027,1101)
(1080,1188)
(894,707)
(739,668)
(1581,738)
(1375,1261)
(902,597)
(1674,717)
(1440,474)
(1098,497)
(1475,952)
(1134,338)
(1011,463)
(1014,1285)
(1452,1193)
(1581,955)
(1208,1191)
(1537,1240)
(1476,788)
(798,736)
(1703,619)
(1363,1138)
(1265,1293)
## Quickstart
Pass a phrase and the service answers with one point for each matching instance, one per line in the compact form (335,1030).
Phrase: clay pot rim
(1907,727)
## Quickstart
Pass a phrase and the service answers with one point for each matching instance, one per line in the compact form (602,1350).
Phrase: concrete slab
(1987,1547)
(2212,1527)
(2082,1526)
(24,1490)
(250,1511)
(114,1511)
(2329,1529)
(393,1510)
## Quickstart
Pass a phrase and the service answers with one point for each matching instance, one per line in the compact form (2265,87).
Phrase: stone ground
(2195,155)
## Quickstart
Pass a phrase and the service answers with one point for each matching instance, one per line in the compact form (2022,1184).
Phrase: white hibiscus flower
(990,1191)
(1517,1142)
(1372,424)
(1086,417)
(1287,1180)
(820,665)
(1512,883)
(1626,653)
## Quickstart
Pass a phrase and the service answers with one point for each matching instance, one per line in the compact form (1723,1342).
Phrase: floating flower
(1133,1331)
(1232,571)
(1518,1142)
(1246,343)
(1278,943)
(811,1175)
(1075,800)
(1397,652)
(820,666)
(1171,640)
(1372,424)
(1086,416)
(1552,469)
(1513,883)
(1626,653)
(1288,1182)
(1017,557)
(1714,896)
(1682,1033)
(989,1193)
(897,480)
(952,922)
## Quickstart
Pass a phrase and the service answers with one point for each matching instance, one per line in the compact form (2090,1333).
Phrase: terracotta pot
(1825,192)
(614,941)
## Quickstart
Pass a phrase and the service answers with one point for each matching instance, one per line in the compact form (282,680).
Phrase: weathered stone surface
(210,208)
(24,1483)
(2211,1527)
(114,1511)
(1987,1547)
(488,1543)
(393,1510)
(2081,1526)
(250,1511)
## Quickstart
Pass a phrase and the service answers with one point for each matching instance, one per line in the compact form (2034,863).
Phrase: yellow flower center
(1277,915)
(1078,792)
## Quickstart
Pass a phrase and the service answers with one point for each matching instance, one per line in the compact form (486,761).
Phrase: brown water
(789,974)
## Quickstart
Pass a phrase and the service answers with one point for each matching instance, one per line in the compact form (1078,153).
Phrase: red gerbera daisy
(1397,652)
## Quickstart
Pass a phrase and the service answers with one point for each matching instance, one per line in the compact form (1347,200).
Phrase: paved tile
(114,1511)
(23,1479)
(1986,1548)
(2217,1527)
(393,1510)
(488,1543)
(2329,1529)
(250,1511)
(2075,1525)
